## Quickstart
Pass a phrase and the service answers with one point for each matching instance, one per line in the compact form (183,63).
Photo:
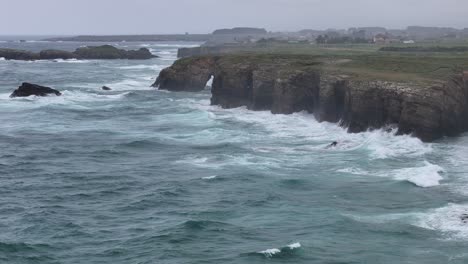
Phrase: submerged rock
(288,84)
(105,88)
(28,89)
(464,218)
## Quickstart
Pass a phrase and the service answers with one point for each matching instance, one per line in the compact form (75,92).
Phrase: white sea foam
(70,99)
(131,84)
(273,251)
(385,144)
(446,220)
(176,45)
(53,61)
(2,58)
(210,177)
(166,52)
(380,144)
(70,61)
(223,160)
(425,176)
(354,171)
(295,245)
(210,82)
(142,67)
(270,252)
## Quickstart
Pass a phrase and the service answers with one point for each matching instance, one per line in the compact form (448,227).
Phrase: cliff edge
(293,83)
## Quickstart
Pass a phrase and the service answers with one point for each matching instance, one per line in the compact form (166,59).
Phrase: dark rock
(290,84)
(141,54)
(464,218)
(110,53)
(187,75)
(100,52)
(28,89)
(12,54)
(93,52)
(56,54)
(105,88)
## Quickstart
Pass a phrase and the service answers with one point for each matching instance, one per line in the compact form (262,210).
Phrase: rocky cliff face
(289,84)
(187,75)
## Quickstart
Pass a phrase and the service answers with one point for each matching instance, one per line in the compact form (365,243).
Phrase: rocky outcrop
(187,75)
(290,84)
(12,54)
(106,88)
(92,53)
(109,52)
(56,54)
(141,54)
(28,89)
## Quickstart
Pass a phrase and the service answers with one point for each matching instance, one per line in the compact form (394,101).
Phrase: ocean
(137,175)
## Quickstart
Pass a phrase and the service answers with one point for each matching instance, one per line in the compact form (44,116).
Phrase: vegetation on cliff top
(363,61)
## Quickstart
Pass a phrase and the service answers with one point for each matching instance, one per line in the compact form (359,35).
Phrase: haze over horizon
(67,17)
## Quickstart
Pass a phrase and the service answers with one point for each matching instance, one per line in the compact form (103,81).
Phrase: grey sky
(201,16)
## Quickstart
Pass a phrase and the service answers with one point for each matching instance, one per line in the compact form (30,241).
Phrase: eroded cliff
(292,83)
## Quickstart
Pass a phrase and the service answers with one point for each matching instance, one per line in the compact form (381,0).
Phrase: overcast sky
(71,17)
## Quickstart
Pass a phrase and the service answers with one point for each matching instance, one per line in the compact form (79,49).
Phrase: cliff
(292,83)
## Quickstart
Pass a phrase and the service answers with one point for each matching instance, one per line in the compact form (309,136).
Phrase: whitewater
(138,175)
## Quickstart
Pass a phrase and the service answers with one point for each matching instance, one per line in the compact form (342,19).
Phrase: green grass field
(367,62)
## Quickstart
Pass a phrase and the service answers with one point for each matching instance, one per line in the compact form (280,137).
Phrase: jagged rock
(186,75)
(28,89)
(105,88)
(56,54)
(290,84)
(12,54)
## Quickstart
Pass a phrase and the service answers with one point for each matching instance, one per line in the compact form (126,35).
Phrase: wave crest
(280,252)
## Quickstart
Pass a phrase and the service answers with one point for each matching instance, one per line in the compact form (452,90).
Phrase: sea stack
(28,89)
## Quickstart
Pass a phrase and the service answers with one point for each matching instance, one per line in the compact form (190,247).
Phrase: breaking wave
(280,252)
(447,220)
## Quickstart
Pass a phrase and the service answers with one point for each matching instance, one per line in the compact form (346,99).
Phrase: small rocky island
(339,90)
(104,52)
(28,89)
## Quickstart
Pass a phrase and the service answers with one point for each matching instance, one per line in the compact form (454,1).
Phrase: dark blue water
(136,175)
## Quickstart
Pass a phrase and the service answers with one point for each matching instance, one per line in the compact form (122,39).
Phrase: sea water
(137,175)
